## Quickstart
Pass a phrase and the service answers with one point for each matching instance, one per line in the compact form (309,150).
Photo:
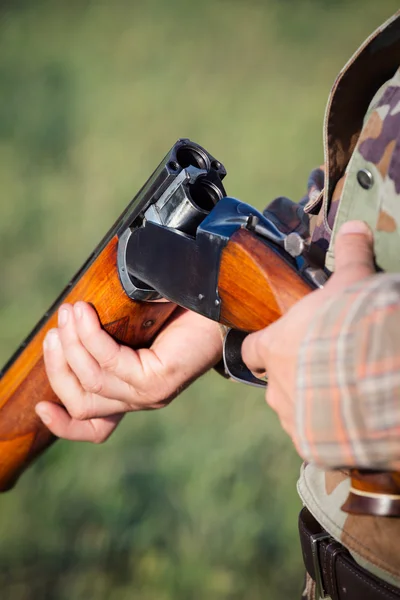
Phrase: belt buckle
(315,540)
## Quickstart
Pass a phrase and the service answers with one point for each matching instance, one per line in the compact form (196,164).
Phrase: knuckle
(93,387)
(80,413)
(100,433)
(109,362)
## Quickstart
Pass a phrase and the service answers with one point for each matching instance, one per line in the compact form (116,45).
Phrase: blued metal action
(182,241)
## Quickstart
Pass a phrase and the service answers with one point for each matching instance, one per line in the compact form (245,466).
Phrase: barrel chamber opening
(204,194)
(188,156)
(184,190)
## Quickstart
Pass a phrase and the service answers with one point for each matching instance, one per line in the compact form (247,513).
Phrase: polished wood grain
(24,384)
(374,493)
(257,287)
(255,284)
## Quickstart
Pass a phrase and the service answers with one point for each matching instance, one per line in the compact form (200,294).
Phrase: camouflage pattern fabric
(378,153)
(290,216)
(374,542)
(354,115)
(362,165)
(360,180)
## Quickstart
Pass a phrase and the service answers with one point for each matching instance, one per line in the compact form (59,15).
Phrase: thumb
(354,253)
(254,350)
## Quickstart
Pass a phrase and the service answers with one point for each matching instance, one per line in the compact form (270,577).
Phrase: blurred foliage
(197,501)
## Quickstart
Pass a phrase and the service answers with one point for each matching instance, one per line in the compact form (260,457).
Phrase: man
(332,361)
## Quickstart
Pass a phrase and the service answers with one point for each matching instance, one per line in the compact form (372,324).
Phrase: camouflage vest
(362,181)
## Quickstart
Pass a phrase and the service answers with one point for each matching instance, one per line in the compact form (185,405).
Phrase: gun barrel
(23,381)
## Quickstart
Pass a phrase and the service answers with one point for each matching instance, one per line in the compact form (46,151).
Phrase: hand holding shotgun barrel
(182,242)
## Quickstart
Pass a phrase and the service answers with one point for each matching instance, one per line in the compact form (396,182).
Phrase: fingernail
(51,341)
(62,317)
(359,227)
(78,310)
(43,414)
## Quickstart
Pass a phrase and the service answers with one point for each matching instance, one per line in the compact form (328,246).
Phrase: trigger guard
(233,362)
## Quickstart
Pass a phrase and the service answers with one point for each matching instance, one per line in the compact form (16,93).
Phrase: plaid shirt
(348,371)
(348,376)
(348,379)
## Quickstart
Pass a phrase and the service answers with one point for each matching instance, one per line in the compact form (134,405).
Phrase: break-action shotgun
(181,241)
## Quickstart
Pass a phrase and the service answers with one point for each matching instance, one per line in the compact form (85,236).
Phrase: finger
(119,360)
(66,386)
(63,425)
(92,378)
(278,400)
(148,381)
(254,351)
(354,253)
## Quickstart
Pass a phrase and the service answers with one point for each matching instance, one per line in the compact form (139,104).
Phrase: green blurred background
(197,501)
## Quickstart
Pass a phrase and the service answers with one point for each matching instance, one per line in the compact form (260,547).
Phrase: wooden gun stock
(255,284)
(256,288)
(104,282)
(181,220)
(24,383)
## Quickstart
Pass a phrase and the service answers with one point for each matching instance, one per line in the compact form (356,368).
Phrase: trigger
(233,361)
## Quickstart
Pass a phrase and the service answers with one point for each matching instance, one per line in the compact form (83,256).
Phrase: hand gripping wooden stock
(256,288)
(22,434)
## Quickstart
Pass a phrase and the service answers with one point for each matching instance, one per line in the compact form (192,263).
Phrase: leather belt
(334,570)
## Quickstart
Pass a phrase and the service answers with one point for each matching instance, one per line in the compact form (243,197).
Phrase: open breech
(181,241)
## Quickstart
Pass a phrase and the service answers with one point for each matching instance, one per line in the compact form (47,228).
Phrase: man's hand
(275,350)
(98,380)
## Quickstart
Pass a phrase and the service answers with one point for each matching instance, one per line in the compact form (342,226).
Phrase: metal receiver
(171,249)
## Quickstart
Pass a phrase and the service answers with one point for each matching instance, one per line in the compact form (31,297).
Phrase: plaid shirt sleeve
(348,379)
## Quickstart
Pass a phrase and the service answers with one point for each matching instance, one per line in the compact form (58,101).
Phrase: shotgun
(181,241)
